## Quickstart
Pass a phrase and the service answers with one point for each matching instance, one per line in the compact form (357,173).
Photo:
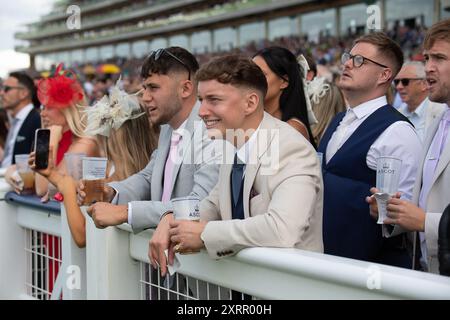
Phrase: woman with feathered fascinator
(125,138)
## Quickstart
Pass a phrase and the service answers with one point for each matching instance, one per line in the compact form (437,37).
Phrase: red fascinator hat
(59,90)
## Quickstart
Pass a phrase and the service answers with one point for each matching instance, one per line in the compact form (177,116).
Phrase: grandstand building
(119,28)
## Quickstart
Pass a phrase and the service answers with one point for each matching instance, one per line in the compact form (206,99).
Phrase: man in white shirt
(412,87)
(16,96)
(353,142)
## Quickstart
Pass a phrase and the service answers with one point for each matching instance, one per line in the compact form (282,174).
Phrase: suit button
(219,254)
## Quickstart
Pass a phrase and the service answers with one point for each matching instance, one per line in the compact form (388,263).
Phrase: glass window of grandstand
(140,48)
(252,32)
(225,39)
(77,56)
(92,55)
(319,24)
(179,41)
(281,27)
(158,43)
(445,9)
(106,52)
(413,13)
(201,42)
(40,62)
(353,20)
(63,57)
(123,50)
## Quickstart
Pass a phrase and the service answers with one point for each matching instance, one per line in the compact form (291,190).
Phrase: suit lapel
(185,144)
(444,159)
(225,205)
(264,137)
(431,132)
(160,161)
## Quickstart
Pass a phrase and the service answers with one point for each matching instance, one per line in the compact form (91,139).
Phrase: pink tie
(170,164)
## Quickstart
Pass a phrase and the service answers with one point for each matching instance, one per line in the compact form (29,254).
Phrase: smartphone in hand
(41,147)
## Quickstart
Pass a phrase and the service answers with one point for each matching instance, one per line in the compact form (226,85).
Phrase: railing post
(73,270)
(111,272)
(13,263)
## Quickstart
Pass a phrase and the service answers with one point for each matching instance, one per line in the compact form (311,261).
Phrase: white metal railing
(31,240)
(114,265)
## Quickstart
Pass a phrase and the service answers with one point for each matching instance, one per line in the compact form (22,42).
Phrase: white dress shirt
(399,140)
(243,153)
(20,116)
(417,117)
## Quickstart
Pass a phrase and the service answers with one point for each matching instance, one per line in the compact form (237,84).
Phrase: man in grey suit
(432,187)
(185,163)
(271,196)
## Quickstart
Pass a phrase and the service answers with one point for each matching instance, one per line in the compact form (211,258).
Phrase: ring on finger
(177,247)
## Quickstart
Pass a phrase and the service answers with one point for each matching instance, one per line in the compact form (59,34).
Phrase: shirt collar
(245,150)
(420,110)
(180,130)
(369,107)
(22,114)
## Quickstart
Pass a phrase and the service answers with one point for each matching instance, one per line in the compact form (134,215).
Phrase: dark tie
(236,188)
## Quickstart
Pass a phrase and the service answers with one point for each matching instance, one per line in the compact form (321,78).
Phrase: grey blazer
(196,175)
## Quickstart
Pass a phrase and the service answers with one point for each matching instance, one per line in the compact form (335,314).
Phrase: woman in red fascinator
(62,100)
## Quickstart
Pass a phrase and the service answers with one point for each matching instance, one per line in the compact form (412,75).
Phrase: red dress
(51,242)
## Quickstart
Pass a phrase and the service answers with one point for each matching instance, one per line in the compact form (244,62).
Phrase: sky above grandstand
(13,15)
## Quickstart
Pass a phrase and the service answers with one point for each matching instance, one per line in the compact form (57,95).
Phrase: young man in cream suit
(431,192)
(269,192)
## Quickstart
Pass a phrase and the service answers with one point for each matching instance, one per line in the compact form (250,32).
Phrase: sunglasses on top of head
(155,55)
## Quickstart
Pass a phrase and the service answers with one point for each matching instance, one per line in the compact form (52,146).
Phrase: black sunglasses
(358,60)
(8,88)
(405,81)
(155,55)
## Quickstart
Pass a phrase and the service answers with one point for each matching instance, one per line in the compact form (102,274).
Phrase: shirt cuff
(115,200)
(130,213)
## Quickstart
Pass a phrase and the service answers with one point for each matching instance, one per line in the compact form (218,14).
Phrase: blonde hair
(325,109)
(129,148)
(75,121)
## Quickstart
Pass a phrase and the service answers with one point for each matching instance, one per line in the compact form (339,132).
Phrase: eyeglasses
(405,81)
(155,55)
(358,60)
(7,88)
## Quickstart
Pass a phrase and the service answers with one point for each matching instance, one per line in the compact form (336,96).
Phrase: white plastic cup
(388,175)
(25,173)
(74,164)
(388,180)
(94,174)
(186,208)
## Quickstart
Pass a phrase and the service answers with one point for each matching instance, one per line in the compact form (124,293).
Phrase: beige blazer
(283,197)
(439,195)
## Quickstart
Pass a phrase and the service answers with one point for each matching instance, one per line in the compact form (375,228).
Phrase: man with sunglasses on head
(412,87)
(354,140)
(184,164)
(17,94)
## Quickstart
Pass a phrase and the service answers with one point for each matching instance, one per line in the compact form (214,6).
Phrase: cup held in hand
(186,208)
(94,173)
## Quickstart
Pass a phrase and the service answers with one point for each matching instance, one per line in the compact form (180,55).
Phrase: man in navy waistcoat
(355,139)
